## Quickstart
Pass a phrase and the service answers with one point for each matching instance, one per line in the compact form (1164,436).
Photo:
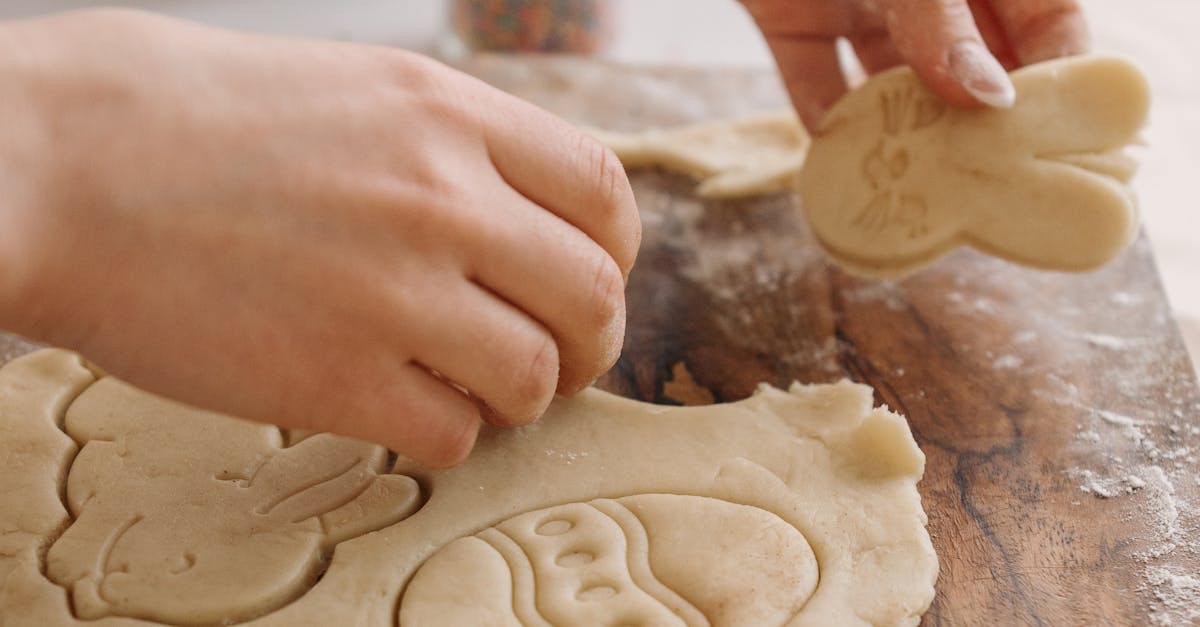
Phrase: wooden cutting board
(1059,413)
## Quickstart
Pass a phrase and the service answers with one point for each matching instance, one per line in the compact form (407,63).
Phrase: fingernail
(981,75)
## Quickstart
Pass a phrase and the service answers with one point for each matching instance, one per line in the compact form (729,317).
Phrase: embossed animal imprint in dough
(651,559)
(794,507)
(895,178)
(780,509)
(189,517)
(757,154)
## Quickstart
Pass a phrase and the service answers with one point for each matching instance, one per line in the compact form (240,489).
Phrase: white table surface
(1163,36)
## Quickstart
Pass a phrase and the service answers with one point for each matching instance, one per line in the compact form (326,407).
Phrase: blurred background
(1162,36)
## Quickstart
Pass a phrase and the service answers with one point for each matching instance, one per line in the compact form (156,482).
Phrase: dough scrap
(757,154)
(895,178)
(793,507)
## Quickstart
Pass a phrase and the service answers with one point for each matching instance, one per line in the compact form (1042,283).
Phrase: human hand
(959,48)
(326,236)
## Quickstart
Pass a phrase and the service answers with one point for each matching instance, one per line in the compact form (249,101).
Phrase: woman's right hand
(325,236)
(959,48)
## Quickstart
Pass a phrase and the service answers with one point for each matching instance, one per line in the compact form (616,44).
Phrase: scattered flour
(1110,342)
(567,456)
(12,347)
(1008,362)
(1125,299)
(1137,440)
(886,292)
(1142,454)
(1103,486)
(1024,337)
(1163,457)
(974,305)
(1113,418)
(1176,596)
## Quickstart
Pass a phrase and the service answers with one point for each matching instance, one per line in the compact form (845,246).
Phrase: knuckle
(534,385)
(414,73)
(608,292)
(437,181)
(432,207)
(614,200)
(600,163)
(614,183)
(601,333)
(632,239)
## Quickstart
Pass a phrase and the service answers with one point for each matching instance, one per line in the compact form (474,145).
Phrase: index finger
(942,43)
(803,39)
(811,70)
(1039,30)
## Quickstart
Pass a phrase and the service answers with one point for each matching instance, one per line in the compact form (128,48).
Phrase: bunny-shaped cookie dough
(189,517)
(895,179)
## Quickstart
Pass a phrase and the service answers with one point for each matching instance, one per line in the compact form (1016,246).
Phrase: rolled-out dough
(119,508)
(895,178)
(757,154)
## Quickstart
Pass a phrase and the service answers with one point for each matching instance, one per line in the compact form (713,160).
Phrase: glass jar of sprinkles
(579,26)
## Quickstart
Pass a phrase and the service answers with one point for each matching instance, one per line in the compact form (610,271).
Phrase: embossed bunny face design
(188,517)
(649,559)
(895,179)
(904,111)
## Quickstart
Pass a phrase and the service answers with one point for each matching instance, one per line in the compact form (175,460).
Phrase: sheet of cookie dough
(895,178)
(757,154)
(119,508)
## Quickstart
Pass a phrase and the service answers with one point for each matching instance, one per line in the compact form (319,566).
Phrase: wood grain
(1017,383)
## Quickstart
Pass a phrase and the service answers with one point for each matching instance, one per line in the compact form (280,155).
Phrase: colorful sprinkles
(582,26)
